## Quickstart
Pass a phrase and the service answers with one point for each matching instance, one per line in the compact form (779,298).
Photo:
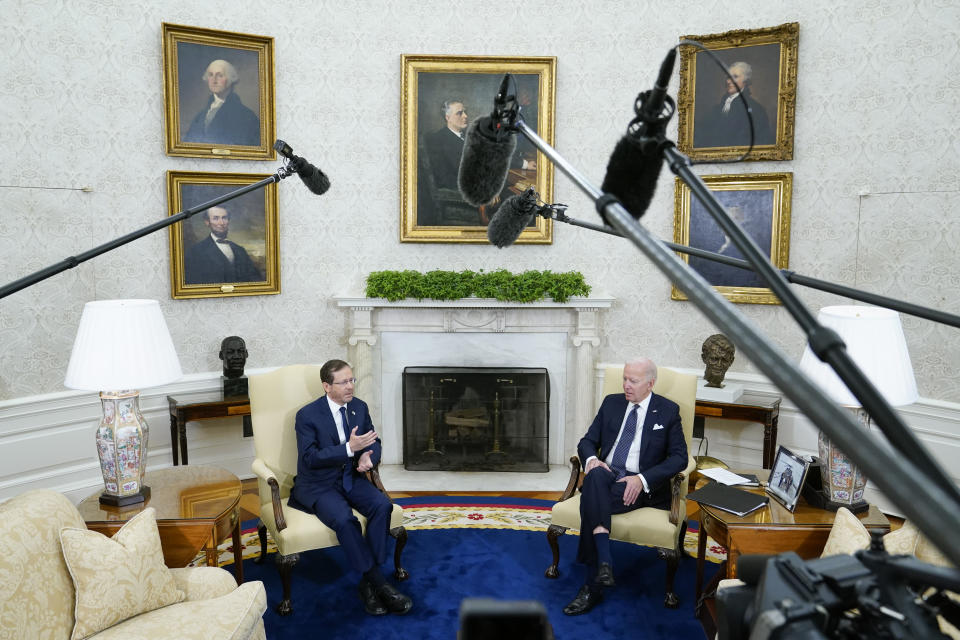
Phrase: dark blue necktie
(619,462)
(348,469)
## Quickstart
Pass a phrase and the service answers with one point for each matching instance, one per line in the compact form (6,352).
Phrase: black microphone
(314,179)
(487,149)
(512,218)
(634,166)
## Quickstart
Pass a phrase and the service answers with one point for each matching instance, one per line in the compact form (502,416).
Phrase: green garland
(528,286)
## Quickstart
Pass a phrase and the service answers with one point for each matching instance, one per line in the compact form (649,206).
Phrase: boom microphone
(634,166)
(512,218)
(487,149)
(314,179)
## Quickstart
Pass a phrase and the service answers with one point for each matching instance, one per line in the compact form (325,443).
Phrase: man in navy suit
(336,444)
(630,452)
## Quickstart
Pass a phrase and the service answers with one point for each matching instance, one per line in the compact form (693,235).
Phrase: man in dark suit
(630,452)
(224,119)
(726,124)
(216,259)
(336,444)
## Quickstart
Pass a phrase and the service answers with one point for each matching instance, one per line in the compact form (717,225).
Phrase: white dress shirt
(338,419)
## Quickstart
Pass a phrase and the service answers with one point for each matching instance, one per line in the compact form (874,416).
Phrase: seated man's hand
(364,464)
(361,442)
(593,463)
(632,492)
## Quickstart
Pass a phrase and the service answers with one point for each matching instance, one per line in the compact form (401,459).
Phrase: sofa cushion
(234,616)
(117,578)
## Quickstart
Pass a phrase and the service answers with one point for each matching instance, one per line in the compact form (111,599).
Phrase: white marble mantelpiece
(563,337)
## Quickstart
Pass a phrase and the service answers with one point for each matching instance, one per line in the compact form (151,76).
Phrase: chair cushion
(305,531)
(646,526)
(117,578)
(234,616)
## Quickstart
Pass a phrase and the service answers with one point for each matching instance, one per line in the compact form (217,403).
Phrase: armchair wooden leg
(262,534)
(672,556)
(400,534)
(285,567)
(554,533)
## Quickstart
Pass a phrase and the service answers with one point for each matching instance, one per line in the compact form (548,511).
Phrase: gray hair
(230,70)
(448,104)
(745,68)
(648,366)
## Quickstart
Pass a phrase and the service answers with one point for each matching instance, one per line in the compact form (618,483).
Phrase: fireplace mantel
(385,336)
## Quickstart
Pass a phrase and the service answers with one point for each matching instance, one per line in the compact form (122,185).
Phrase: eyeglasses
(347,381)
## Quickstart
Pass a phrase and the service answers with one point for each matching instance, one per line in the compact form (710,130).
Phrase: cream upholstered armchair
(39,597)
(275,398)
(647,526)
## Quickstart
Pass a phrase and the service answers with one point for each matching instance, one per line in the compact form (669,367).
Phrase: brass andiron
(496,426)
(431,430)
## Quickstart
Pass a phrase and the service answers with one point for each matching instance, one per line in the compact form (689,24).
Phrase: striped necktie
(619,462)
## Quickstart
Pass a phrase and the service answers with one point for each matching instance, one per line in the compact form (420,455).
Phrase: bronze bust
(233,352)
(717,353)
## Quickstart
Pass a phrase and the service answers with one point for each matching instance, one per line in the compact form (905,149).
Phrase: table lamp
(122,346)
(875,342)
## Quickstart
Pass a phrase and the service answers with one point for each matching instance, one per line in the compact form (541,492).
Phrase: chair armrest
(203,583)
(374,477)
(677,502)
(262,471)
(574,479)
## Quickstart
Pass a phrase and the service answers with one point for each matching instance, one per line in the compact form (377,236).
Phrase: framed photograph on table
(787,477)
(712,120)
(231,249)
(440,96)
(218,91)
(760,204)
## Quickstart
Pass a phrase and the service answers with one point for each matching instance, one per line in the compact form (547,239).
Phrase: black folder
(730,499)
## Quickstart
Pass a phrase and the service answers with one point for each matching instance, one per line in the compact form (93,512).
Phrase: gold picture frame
(199,267)
(241,71)
(760,203)
(705,131)
(431,209)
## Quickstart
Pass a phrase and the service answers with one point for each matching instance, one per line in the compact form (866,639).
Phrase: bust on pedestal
(717,353)
(233,352)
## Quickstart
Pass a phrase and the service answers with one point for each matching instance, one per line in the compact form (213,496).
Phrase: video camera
(870,594)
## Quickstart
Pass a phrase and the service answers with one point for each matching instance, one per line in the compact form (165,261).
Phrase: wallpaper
(875,165)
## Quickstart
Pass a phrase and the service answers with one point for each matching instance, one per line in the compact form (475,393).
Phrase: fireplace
(476,419)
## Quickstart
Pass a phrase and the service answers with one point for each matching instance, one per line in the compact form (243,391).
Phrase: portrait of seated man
(224,119)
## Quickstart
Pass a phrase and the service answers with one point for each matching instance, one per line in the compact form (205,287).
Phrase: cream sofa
(37,595)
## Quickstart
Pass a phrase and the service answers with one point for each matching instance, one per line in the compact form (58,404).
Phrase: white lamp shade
(875,342)
(122,344)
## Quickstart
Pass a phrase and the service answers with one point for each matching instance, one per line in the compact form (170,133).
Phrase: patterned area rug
(457,512)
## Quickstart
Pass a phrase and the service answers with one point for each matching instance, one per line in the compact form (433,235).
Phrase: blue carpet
(447,565)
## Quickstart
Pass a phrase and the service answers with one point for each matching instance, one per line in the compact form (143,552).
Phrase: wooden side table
(181,413)
(769,530)
(197,508)
(752,407)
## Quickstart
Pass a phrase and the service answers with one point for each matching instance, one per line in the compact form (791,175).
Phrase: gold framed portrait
(760,204)
(230,249)
(218,94)
(440,96)
(712,122)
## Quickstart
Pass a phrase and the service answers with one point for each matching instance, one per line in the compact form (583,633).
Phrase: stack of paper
(730,478)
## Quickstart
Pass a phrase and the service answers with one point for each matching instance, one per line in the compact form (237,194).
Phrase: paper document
(726,477)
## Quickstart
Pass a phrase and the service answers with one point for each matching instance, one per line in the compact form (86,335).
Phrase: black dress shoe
(393,600)
(605,575)
(586,599)
(371,603)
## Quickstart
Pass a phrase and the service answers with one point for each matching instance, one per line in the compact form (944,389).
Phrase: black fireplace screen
(476,419)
